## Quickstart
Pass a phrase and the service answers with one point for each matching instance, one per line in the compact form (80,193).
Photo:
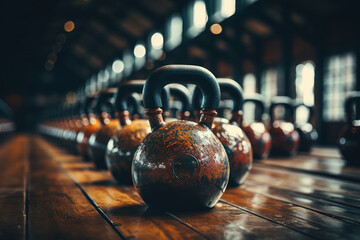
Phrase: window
(249,84)
(339,79)
(197,17)
(174,29)
(304,82)
(269,84)
(155,45)
(221,9)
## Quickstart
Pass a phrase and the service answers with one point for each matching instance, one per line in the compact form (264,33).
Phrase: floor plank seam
(268,219)
(305,207)
(312,196)
(318,173)
(187,225)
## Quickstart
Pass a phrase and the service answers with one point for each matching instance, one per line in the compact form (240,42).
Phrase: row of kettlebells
(181,164)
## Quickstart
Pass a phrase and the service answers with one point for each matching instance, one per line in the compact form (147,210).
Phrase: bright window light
(157,41)
(139,51)
(174,30)
(118,66)
(228,8)
(199,15)
(305,74)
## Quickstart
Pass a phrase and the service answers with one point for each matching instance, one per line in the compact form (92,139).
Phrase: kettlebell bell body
(307,133)
(285,138)
(180,164)
(349,142)
(256,131)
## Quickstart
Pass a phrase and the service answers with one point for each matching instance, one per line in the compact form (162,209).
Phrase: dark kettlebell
(183,105)
(232,137)
(109,125)
(91,124)
(308,134)
(256,130)
(349,142)
(180,164)
(122,146)
(285,138)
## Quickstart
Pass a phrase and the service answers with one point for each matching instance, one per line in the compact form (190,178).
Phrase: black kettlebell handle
(227,85)
(258,99)
(104,103)
(352,98)
(125,90)
(311,110)
(199,76)
(184,95)
(287,102)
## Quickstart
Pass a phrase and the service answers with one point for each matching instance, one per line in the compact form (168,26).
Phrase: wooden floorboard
(121,204)
(57,207)
(47,193)
(13,182)
(329,167)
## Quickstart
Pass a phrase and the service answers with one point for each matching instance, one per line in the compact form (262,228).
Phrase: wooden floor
(46,193)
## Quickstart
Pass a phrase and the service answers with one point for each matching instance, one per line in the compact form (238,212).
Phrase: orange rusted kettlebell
(285,138)
(180,164)
(109,125)
(256,130)
(349,142)
(122,146)
(90,125)
(308,134)
(232,137)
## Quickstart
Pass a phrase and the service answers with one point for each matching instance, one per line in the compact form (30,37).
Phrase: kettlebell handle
(199,76)
(125,90)
(353,98)
(259,101)
(183,94)
(287,102)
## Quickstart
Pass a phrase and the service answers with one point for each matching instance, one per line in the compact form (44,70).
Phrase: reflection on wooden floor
(46,193)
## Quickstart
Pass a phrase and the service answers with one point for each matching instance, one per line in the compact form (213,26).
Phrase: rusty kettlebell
(180,164)
(256,130)
(109,125)
(307,133)
(90,125)
(232,137)
(349,142)
(122,146)
(285,138)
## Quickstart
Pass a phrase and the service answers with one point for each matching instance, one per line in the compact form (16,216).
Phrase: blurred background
(52,52)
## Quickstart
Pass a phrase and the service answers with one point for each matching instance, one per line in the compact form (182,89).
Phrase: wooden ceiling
(33,31)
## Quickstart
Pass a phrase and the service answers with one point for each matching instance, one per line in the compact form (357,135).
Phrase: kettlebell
(90,123)
(180,164)
(122,146)
(183,105)
(307,133)
(256,130)
(109,125)
(232,137)
(349,142)
(285,138)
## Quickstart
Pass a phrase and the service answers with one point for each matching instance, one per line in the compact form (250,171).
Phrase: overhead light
(157,41)
(69,26)
(118,66)
(216,28)
(139,51)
